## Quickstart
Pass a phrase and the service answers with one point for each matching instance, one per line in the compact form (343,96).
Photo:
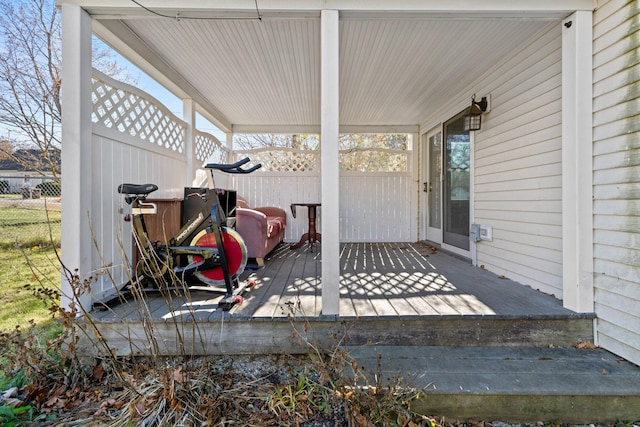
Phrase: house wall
(616,176)
(517,174)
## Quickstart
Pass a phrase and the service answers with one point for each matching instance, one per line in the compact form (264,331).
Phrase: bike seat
(137,189)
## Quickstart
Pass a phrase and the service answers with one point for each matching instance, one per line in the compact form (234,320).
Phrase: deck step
(512,384)
(490,331)
(245,336)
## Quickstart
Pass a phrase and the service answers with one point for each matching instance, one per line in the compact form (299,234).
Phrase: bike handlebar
(233,167)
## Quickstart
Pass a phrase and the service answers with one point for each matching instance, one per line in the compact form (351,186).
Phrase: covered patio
(406,68)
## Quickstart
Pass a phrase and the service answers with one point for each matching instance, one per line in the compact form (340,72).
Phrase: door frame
(429,233)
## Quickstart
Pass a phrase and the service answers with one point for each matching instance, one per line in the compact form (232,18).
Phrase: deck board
(388,280)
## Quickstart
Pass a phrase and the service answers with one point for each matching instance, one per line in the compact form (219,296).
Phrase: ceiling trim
(315,129)
(102,7)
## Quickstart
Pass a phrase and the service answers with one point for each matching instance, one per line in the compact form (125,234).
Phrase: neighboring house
(551,177)
(25,170)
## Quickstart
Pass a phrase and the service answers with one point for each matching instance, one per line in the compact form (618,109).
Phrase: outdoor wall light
(473,115)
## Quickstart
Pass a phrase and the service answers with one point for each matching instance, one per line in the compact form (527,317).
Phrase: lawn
(29,268)
(29,226)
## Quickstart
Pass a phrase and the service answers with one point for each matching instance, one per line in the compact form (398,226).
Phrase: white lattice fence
(209,149)
(374,160)
(130,111)
(283,159)
(352,160)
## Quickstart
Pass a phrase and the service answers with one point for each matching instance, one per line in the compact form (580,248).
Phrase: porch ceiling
(396,69)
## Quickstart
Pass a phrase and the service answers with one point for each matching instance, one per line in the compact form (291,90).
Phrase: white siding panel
(615,337)
(616,175)
(605,96)
(518,165)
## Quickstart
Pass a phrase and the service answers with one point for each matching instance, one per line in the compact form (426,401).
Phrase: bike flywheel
(235,251)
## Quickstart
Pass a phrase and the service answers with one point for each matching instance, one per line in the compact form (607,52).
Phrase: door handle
(427,187)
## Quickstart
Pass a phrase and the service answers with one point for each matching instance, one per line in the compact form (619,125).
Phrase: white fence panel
(115,162)
(373,207)
(281,190)
(377,208)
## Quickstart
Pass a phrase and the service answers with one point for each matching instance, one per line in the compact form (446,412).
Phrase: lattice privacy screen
(132,114)
(126,109)
(209,149)
(354,160)
(285,160)
(374,160)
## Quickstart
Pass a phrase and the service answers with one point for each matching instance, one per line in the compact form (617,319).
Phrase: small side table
(311,236)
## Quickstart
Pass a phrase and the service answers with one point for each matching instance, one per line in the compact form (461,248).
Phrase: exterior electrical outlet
(486,232)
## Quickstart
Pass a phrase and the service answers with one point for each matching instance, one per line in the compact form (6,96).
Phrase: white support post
(189,116)
(577,162)
(229,141)
(77,247)
(329,170)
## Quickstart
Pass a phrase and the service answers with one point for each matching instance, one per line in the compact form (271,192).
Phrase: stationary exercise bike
(204,250)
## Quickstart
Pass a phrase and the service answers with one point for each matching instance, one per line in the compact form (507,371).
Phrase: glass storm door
(456,184)
(432,186)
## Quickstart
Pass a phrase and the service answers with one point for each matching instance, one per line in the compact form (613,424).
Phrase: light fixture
(473,115)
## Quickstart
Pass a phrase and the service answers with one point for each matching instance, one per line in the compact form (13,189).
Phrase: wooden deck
(390,293)
(396,280)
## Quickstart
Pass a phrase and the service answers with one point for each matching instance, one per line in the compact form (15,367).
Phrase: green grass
(18,281)
(26,269)
(29,227)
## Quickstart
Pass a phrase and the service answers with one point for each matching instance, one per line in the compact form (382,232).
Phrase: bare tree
(30,77)
(261,140)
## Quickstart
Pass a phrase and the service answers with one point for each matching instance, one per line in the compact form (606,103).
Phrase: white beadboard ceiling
(395,70)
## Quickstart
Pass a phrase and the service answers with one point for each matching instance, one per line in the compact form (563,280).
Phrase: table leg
(311,236)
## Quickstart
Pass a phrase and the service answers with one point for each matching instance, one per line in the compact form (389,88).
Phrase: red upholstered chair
(261,228)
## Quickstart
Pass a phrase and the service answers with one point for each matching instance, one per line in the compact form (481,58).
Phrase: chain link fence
(29,210)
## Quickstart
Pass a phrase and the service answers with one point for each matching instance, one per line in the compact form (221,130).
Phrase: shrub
(50,188)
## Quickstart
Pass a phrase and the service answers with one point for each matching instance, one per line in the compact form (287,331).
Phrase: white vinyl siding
(518,165)
(616,176)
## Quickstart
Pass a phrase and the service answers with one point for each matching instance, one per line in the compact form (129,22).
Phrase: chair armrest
(272,211)
(250,222)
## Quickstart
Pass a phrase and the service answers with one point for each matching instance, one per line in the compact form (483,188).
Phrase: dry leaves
(585,345)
